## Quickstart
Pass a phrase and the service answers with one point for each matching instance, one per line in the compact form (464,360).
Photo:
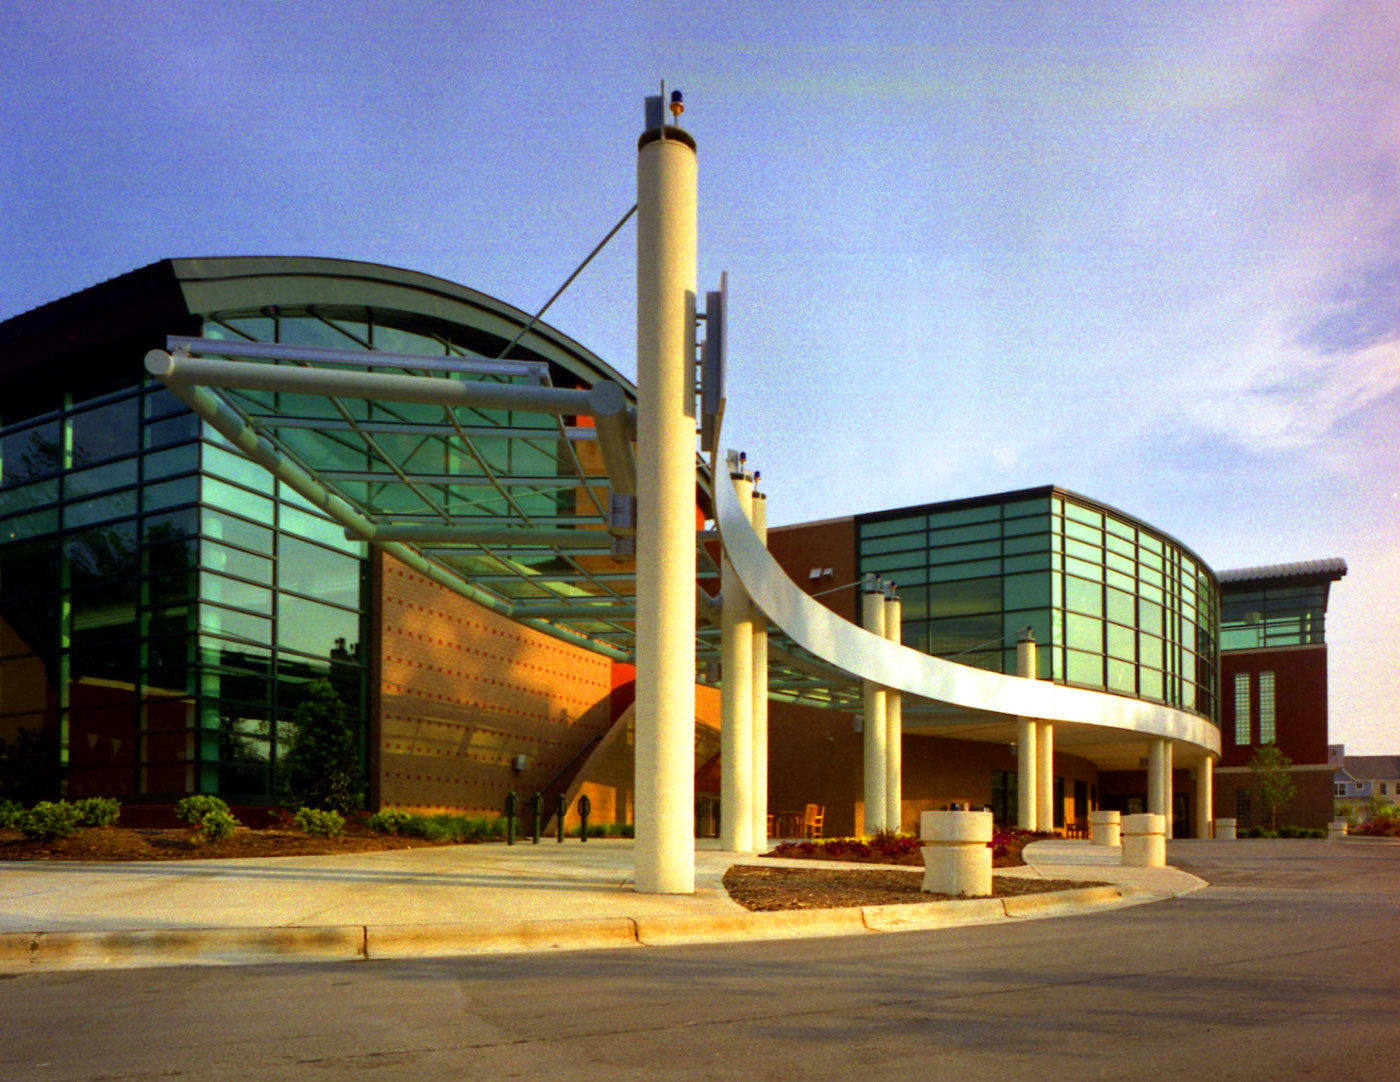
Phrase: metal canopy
(479,473)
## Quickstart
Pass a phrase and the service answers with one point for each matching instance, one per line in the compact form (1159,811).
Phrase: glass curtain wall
(1273,616)
(1113,606)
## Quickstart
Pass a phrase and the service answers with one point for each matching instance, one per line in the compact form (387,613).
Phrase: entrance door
(1181,815)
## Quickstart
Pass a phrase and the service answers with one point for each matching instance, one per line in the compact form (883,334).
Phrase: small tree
(1272,780)
(322,767)
(29,766)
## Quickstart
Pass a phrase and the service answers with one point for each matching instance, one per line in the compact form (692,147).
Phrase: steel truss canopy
(479,473)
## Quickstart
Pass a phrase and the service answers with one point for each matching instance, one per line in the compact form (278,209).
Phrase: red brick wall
(831,544)
(1300,694)
(461,691)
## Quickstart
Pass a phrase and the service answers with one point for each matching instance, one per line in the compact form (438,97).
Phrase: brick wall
(461,691)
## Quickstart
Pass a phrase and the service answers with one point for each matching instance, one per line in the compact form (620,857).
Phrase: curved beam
(870,657)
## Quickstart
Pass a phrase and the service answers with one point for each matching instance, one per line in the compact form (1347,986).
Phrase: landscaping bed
(126,843)
(768,889)
(890,848)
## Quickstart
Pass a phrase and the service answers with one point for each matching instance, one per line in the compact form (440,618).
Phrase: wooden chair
(813,820)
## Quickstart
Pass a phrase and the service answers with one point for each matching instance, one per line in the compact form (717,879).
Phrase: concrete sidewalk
(459,900)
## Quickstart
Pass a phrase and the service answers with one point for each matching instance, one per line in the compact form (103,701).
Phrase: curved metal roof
(1331,569)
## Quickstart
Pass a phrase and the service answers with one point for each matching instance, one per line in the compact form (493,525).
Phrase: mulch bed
(125,843)
(768,889)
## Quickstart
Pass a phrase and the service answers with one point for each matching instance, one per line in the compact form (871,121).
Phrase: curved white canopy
(870,657)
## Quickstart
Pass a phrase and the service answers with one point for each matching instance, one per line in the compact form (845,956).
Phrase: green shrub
(9,814)
(1259,832)
(389,822)
(207,816)
(1291,831)
(438,828)
(318,823)
(194,808)
(217,825)
(49,819)
(98,811)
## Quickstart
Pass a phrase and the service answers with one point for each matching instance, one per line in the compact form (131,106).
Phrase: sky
(1147,251)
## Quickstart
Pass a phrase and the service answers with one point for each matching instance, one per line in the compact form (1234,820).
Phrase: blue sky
(1148,251)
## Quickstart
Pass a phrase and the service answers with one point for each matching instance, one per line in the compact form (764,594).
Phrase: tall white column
(1205,796)
(875,723)
(1156,786)
(1026,803)
(894,729)
(1167,801)
(736,699)
(665,707)
(759,517)
(1045,776)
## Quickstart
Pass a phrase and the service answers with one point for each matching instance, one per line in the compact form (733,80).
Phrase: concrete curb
(34,952)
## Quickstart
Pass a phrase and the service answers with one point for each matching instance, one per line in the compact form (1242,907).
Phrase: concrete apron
(461,900)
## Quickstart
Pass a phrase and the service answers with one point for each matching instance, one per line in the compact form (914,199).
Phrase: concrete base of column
(1144,841)
(957,858)
(1105,828)
(1337,828)
(1225,830)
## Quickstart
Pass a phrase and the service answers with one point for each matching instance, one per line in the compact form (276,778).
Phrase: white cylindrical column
(1026,804)
(1167,801)
(1144,841)
(875,722)
(1045,776)
(736,699)
(1156,765)
(1205,796)
(1105,828)
(894,729)
(759,517)
(1225,830)
(665,707)
(957,856)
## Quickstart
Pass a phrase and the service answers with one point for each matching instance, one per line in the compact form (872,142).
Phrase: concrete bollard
(1224,830)
(1144,841)
(1104,828)
(957,857)
(1337,828)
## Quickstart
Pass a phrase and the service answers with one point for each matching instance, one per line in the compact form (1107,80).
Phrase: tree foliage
(322,767)
(1272,781)
(29,767)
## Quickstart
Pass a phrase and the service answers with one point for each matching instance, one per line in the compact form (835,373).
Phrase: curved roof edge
(1331,569)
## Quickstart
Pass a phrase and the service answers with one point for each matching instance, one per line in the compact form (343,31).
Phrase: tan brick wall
(462,691)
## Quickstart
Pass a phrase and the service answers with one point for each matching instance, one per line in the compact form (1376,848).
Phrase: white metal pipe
(496,536)
(873,695)
(759,517)
(894,730)
(249,376)
(665,708)
(736,701)
(614,424)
